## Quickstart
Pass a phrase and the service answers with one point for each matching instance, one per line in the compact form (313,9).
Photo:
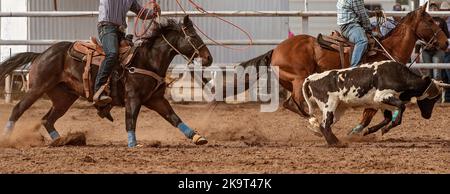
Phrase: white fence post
(8,88)
(305,25)
(305,20)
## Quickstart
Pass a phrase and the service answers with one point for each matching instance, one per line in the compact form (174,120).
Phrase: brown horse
(56,74)
(300,56)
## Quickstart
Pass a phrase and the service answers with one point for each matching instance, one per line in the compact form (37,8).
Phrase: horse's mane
(403,20)
(161,28)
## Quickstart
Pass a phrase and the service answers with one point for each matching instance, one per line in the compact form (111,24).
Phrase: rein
(136,70)
(384,19)
(384,49)
(428,44)
(188,38)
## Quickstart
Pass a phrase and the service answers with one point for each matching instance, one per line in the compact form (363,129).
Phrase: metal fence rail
(207,42)
(304,15)
(199,14)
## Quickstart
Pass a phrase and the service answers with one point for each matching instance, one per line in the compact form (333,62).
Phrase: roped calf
(385,85)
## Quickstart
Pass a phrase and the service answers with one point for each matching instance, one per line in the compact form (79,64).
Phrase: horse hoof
(109,117)
(58,142)
(105,114)
(132,144)
(384,131)
(365,132)
(199,140)
(356,130)
(136,146)
(354,133)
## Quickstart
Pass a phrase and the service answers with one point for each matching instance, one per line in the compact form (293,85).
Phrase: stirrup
(103,101)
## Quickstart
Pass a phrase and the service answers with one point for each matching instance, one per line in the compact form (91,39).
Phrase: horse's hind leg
(368,115)
(295,102)
(396,119)
(62,99)
(164,109)
(28,100)
(387,119)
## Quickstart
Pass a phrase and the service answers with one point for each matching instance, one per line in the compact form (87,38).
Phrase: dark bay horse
(300,56)
(56,74)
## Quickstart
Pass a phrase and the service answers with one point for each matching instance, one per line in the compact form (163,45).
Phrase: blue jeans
(357,35)
(109,36)
(436,56)
(446,73)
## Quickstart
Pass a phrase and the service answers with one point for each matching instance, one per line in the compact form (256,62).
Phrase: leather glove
(156,9)
(378,13)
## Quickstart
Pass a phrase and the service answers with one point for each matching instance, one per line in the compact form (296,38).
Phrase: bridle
(188,38)
(428,44)
(160,80)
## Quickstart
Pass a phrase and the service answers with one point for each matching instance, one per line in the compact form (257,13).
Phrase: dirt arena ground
(242,140)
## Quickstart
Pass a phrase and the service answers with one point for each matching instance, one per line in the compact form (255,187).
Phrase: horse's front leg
(132,108)
(164,109)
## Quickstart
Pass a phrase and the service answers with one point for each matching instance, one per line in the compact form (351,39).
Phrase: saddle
(91,53)
(337,42)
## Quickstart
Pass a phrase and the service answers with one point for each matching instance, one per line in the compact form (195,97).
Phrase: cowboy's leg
(426,58)
(438,57)
(110,41)
(356,34)
(447,91)
(447,76)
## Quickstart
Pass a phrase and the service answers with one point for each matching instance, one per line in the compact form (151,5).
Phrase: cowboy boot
(105,112)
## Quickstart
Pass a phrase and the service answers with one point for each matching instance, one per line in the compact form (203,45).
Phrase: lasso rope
(200,9)
(143,31)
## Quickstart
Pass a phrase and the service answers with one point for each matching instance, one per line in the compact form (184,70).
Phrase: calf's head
(430,96)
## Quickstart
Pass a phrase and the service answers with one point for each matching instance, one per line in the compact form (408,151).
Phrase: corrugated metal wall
(323,24)
(258,27)
(69,28)
(82,28)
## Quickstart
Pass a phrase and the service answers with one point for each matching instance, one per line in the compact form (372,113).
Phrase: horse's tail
(260,61)
(16,61)
(307,95)
(263,60)
(313,121)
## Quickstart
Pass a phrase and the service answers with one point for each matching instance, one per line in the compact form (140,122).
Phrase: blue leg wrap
(395,115)
(54,135)
(187,131)
(132,139)
(357,129)
(8,128)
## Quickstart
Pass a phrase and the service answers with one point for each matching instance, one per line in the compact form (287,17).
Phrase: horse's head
(185,40)
(427,30)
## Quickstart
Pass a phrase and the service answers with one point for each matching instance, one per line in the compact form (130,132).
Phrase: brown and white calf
(384,85)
